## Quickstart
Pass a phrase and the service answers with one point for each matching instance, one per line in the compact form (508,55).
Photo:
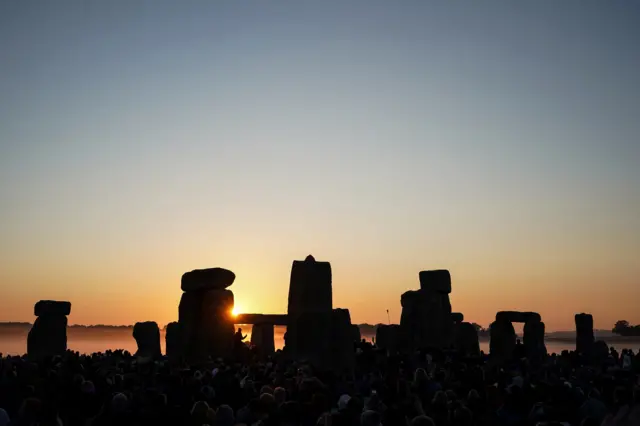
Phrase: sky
(143,139)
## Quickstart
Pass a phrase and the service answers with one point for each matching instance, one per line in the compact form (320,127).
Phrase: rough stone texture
(206,323)
(515,316)
(51,307)
(533,340)
(503,340)
(466,339)
(47,337)
(355,333)
(342,345)
(457,317)
(207,279)
(388,337)
(262,338)
(309,288)
(584,333)
(437,280)
(173,341)
(426,319)
(309,336)
(147,335)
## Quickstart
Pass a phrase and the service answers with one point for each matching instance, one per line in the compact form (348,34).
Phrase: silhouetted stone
(262,338)
(147,336)
(584,333)
(173,341)
(388,337)
(503,340)
(437,280)
(206,323)
(275,319)
(207,279)
(310,287)
(48,335)
(51,307)
(515,316)
(355,333)
(466,339)
(533,339)
(457,317)
(426,319)
(309,336)
(342,348)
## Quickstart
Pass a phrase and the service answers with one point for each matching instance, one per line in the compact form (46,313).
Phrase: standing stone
(310,287)
(262,338)
(48,336)
(207,279)
(503,340)
(342,345)
(147,335)
(309,337)
(173,341)
(206,323)
(533,340)
(426,318)
(388,337)
(466,339)
(355,333)
(584,333)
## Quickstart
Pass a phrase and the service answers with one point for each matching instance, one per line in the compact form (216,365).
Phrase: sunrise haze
(499,140)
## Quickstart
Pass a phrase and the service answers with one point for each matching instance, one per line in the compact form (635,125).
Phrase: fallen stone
(51,307)
(310,288)
(207,279)
(47,337)
(437,280)
(515,316)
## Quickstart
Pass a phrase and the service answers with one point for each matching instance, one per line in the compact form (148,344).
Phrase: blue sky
(139,140)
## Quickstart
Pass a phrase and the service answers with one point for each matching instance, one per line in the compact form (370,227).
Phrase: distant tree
(623,328)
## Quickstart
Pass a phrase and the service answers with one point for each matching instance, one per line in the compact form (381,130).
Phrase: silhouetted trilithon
(426,318)
(173,341)
(207,279)
(584,333)
(503,336)
(466,339)
(48,336)
(147,336)
(205,318)
(262,339)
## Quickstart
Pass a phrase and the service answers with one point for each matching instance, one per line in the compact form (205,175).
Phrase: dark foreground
(423,389)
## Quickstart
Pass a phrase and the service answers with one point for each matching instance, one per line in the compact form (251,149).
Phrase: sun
(235,311)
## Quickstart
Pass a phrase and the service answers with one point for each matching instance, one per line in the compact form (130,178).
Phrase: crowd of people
(423,388)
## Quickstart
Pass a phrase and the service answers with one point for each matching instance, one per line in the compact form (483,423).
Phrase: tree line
(623,328)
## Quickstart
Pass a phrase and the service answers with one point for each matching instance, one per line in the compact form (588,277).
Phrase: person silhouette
(239,336)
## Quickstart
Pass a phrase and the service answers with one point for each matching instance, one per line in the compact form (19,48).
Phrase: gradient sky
(143,139)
